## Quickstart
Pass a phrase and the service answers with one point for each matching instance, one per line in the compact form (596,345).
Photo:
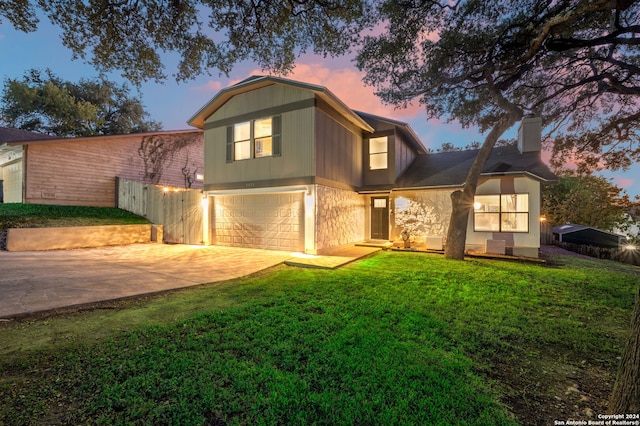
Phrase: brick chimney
(530,134)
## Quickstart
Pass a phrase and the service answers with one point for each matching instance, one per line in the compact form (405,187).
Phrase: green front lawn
(18,215)
(398,338)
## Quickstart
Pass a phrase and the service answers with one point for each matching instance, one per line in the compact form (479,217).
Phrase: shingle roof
(401,126)
(451,168)
(9,134)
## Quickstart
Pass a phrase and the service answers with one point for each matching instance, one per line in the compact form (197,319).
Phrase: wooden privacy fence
(178,210)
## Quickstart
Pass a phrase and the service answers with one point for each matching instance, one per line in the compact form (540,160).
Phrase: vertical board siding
(338,151)
(83,172)
(258,100)
(178,211)
(404,155)
(296,159)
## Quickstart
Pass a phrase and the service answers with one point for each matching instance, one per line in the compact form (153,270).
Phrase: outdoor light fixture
(630,247)
(543,219)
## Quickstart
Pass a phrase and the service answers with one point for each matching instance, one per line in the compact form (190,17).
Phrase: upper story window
(253,139)
(501,213)
(242,141)
(262,131)
(378,153)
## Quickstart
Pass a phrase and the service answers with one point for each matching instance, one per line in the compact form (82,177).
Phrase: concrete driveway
(44,280)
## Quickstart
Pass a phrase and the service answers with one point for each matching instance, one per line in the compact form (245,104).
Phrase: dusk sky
(174,103)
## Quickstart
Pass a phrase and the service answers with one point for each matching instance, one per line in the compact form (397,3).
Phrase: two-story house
(289,166)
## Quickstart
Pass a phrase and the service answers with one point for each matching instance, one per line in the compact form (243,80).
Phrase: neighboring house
(40,169)
(11,162)
(289,166)
(587,236)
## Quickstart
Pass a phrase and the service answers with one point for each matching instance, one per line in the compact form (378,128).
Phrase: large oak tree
(489,63)
(131,35)
(42,102)
(486,63)
(589,200)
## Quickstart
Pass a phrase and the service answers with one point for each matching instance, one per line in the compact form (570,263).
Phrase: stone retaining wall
(34,239)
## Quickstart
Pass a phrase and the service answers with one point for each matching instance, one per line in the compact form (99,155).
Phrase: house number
(249,185)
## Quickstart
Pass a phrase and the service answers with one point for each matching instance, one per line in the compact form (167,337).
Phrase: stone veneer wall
(422,213)
(340,217)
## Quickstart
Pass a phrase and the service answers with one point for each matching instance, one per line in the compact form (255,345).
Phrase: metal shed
(586,235)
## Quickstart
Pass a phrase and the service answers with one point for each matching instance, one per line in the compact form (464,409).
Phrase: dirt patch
(550,252)
(555,390)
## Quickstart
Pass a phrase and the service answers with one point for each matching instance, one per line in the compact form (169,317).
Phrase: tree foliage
(489,63)
(586,200)
(129,35)
(42,102)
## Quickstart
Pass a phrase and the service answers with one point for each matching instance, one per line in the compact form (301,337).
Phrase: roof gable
(402,127)
(257,82)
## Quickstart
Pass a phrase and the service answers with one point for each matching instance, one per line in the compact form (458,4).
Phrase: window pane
(515,203)
(378,145)
(487,222)
(264,147)
(242,150)
(487,203)
(242,131)
(262,128)
(515,222)
(379,203)
(378,161)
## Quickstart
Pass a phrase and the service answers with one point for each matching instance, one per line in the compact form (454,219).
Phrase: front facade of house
(288,166)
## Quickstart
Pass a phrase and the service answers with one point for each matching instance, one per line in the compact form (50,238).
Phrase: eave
(222,97)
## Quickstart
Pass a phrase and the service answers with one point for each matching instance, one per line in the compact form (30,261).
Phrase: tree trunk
(462,200)
(457,234)
(625,397)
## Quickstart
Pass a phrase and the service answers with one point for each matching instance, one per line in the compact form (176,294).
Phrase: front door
(379,218)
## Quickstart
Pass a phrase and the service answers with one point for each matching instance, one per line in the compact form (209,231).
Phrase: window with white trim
(254,139)
(501,213)
(378,153)
(242,141)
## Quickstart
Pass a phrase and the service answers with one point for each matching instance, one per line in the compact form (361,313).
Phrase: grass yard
(398,338)
(18,215)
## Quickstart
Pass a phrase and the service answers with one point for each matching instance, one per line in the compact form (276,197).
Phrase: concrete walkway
(45,280)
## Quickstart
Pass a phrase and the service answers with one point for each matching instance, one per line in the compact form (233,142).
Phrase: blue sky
(174,103)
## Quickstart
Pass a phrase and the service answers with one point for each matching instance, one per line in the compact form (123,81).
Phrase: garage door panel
(272,221)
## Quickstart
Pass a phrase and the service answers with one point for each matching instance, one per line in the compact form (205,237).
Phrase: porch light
(630,247)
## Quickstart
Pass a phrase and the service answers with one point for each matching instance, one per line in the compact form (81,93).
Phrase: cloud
(212,86)
(623,182)
(346,83)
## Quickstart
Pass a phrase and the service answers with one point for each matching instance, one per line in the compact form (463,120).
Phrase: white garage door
(269,221)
